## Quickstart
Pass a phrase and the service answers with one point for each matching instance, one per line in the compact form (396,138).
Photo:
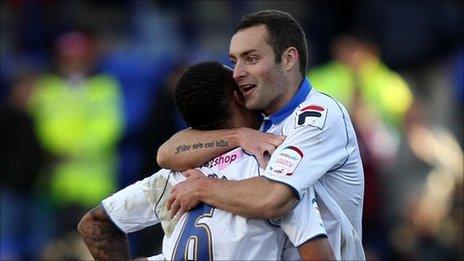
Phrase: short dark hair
(284,31)
(203,96)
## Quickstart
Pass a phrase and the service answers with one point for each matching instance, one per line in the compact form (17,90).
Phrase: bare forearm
(317,249)
(103,239)
(191,148)
(252,198)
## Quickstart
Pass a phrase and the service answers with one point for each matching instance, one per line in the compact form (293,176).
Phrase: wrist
(234,136)
(202,190)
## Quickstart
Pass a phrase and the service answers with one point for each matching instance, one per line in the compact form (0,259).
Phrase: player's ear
(290,58)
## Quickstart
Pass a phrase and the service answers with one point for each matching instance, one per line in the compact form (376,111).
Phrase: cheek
(264,73)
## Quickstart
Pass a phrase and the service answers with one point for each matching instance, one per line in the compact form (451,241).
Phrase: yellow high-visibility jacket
(381,88)
(80,125)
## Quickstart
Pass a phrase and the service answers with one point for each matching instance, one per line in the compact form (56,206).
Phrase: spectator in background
(79,121)
(21,160)
(378,100)
(425,188)
(372,92)
(425,192)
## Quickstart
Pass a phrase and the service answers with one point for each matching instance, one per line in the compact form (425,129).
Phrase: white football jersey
(206,233)
(321,151)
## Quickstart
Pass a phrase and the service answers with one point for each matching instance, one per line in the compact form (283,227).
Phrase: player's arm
(316,249)
(304,227)
(297,164)
(104,228)
(253,198)
(191,148)
(103,238)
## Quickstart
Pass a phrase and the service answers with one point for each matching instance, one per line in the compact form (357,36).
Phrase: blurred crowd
(87,98)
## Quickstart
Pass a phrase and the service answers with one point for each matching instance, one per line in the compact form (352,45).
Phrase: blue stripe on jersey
(282,114)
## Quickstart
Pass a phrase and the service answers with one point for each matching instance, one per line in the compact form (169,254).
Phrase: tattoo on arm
(104,240)
(196,146)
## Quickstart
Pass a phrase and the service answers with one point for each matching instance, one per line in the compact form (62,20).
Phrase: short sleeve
(132,208)
(316,143)
(304,222)
(290,252)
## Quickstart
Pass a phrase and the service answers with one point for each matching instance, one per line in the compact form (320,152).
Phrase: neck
(291,88)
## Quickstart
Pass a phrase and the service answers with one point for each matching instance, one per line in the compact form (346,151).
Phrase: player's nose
(239,72)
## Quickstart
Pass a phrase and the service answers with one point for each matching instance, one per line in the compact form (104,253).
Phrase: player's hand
(182,198)
(259,144)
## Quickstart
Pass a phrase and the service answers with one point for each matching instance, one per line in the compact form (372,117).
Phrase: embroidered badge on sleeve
(286,161)
(312,115)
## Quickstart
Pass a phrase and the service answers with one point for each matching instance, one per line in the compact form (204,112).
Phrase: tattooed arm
(103,238)
(191,148)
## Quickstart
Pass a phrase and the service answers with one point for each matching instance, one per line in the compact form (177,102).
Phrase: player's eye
(251,60)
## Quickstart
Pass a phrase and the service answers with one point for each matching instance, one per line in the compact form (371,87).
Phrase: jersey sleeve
(316,143)
(304,222)
(133,208)
(290,252)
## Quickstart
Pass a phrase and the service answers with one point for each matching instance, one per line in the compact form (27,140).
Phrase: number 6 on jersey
(195,240)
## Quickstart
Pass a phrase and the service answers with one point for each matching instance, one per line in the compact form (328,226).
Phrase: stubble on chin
(255,105)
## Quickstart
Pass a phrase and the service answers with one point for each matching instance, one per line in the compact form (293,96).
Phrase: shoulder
(318,111)
(159,179)
(322,99)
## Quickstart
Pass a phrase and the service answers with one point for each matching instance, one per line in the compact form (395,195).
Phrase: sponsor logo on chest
(223,161)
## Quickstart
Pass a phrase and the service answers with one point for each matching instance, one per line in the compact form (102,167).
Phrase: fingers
(179,214)
(171,200)
(277,136)
(270,150)
(267,156)
(187,173)
(261,161)
(178,211)
(180,199)
(279,140)
(276,140)
(262,153)
(268,138)
(174,209)
(173,204)
(267,150)
(192,173)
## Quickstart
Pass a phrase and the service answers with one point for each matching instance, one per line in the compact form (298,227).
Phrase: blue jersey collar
(300,96)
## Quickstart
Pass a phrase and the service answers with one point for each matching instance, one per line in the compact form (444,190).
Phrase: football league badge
(286,161)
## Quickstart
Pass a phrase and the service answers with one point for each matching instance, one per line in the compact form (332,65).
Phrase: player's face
(261,80)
